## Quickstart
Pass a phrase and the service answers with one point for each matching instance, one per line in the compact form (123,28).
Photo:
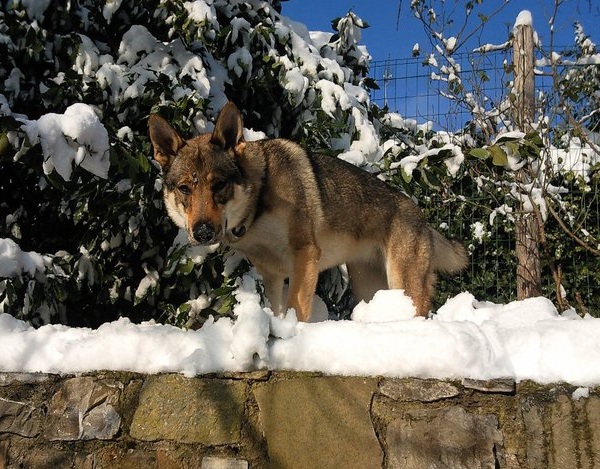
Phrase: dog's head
(204,182)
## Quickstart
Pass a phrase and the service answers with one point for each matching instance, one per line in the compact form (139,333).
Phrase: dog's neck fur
(254,165)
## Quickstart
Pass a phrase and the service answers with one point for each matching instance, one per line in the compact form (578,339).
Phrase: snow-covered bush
(81,203)
(579,81)
(490,173)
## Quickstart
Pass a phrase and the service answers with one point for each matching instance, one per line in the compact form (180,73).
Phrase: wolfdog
(294,214)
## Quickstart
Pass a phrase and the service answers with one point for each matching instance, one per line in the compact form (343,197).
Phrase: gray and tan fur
(295,214)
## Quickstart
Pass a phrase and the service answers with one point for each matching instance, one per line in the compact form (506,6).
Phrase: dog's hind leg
(421,288)
(409,267)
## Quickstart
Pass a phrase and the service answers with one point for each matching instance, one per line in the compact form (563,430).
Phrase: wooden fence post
(529,283)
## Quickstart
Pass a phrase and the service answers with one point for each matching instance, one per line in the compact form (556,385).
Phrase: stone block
(6,379)
(213,462)
(443,438)
(499,386)
(319,422)
(83,409)
(190,410)
(535,444)
(563,444)
(114,457)
(593,419)
(421,390)
(19,418)
(47,457)
(583,437)
(3,454)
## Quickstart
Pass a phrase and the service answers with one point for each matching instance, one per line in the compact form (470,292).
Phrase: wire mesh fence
(413,88)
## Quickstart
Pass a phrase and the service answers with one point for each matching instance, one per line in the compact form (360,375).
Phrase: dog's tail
(448,256)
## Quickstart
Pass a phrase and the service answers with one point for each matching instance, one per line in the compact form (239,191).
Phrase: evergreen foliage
(80,200)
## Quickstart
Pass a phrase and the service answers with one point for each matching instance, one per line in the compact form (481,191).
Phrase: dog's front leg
(274,291)
(303,280)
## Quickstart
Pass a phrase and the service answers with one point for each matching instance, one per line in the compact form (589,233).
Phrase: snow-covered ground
(465,339)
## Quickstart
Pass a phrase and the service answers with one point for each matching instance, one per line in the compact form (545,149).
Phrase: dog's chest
(267,240)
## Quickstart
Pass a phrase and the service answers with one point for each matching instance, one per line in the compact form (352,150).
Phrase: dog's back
(359,220)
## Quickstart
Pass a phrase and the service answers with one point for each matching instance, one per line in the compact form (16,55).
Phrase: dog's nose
(204,233)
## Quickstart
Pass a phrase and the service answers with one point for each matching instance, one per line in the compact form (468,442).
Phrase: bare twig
(576,238)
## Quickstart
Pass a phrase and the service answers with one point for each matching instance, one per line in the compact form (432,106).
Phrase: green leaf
(534,138)
(513,147)
(370,83)
(480,153)
(144,163)
(507,138)
(499,157)
(445,153)
(223,290)
(430,179)
(186,267)
(4,144)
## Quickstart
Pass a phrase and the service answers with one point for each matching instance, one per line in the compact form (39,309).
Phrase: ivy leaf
(534,138)
(431,180)
(186,267)
(370,83)
(4,144)
(480,153)
(513,147)
(499,157)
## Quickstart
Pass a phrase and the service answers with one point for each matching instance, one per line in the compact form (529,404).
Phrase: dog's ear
(229,133)
(165,140)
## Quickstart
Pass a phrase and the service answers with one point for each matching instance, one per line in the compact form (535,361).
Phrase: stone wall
(292,420)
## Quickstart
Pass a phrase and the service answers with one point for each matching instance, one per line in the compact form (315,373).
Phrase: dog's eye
(184,189)
(222,192)
(219,186)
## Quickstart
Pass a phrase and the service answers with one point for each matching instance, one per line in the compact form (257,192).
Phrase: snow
(524,18)
(492,47)
(146,283)
(36,8)
(479,231)
(332,96)
(580,392)
(77,136)
(200,11)
(296,85)
(240,62)
(524,340)
(14,261)
(109,9)
(450,44)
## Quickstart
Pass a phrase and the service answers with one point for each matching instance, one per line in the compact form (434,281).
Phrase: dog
(294,214)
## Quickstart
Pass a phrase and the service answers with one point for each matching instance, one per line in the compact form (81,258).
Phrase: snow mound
(386,306)
(523,340)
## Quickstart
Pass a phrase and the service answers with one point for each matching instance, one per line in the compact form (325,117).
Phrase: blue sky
(387,39)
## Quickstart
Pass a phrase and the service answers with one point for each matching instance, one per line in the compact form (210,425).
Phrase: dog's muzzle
(204,233)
